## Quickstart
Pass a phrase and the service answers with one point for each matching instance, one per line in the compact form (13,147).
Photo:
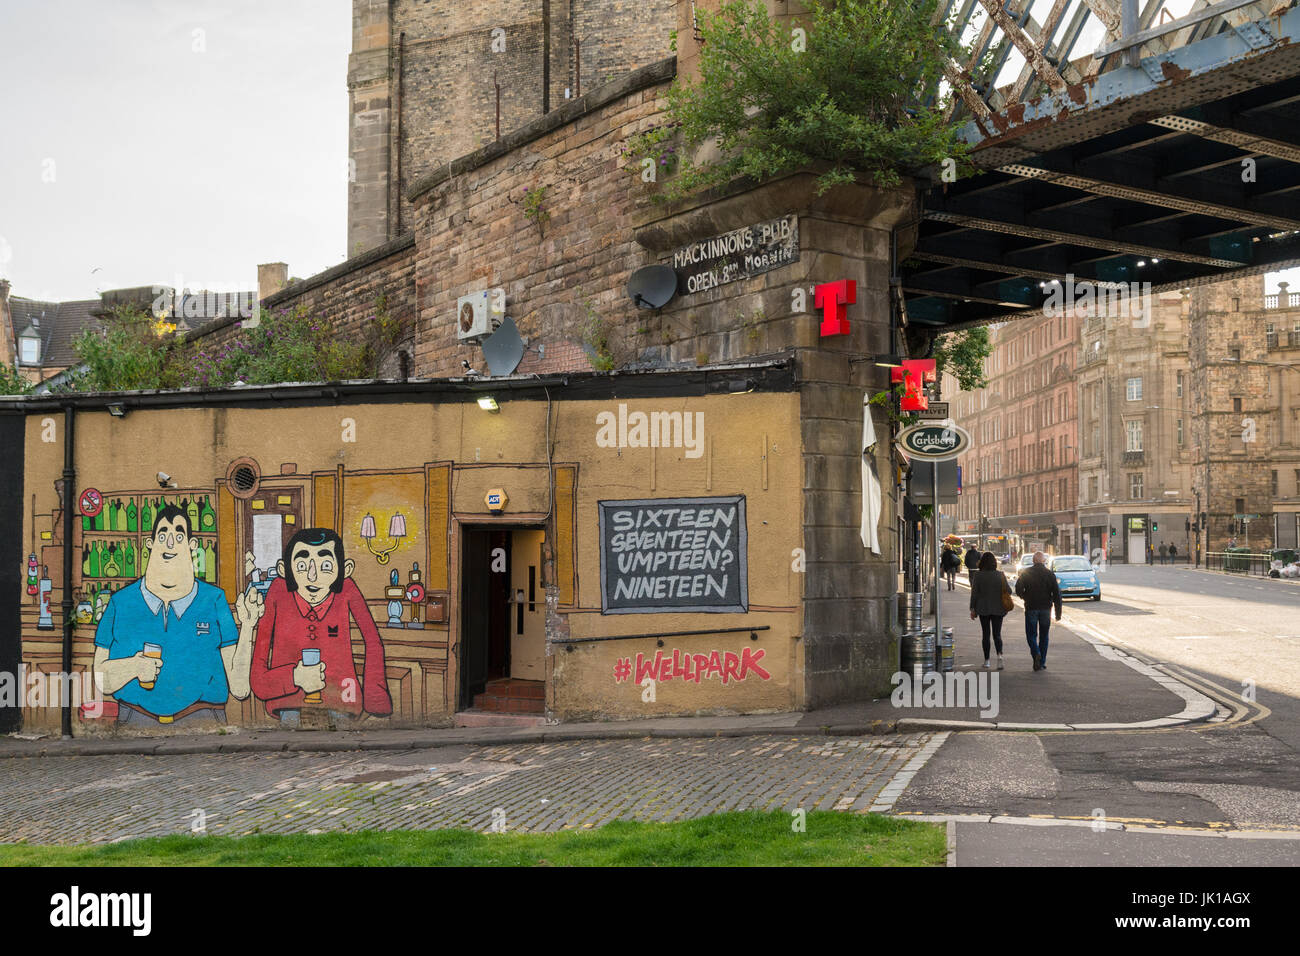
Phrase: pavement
(521,787)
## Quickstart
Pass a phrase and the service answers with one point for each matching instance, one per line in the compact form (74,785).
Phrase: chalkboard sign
(674,554)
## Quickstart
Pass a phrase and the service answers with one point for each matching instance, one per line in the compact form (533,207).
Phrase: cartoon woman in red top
(311,607)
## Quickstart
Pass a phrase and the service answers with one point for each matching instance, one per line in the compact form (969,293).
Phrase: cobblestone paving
(538,787)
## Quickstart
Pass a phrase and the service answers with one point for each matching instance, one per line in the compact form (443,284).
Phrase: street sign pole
(934,485)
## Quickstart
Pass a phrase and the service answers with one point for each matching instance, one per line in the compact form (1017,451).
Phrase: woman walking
(987,589)
(950,561)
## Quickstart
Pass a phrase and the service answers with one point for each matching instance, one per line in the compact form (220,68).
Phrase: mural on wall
(303,653)
(166,644)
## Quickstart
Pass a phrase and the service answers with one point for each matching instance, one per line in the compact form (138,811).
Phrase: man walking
(1164,552)
(1038,588)
(972,562)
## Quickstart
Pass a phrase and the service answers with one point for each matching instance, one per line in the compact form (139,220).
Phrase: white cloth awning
(871,497)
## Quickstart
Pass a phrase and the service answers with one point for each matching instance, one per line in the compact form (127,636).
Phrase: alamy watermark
(35,689)
(651,430)
(1131,300)
(955,689)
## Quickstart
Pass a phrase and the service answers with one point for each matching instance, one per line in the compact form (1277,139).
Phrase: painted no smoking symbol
(91,502)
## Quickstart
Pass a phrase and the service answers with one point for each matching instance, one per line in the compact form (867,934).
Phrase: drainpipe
(546,56)
(69,493)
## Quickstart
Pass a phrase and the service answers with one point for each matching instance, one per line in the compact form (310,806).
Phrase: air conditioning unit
(479,313)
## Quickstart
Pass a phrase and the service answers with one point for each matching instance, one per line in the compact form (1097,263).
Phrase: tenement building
(1021,471)
(1245,383)
(1136,435)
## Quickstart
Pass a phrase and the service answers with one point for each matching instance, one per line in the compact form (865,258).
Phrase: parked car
(1076,576)
(1025,561)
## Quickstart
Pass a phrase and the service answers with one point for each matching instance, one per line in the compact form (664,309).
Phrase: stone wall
(423,83)
(563,277)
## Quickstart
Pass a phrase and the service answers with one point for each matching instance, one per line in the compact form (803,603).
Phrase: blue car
(1076,576)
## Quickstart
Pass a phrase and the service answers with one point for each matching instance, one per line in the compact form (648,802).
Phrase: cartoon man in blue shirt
(204,658)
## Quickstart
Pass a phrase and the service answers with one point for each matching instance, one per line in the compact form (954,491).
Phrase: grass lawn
(727,839)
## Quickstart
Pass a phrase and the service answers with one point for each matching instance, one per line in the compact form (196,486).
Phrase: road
(1237,640)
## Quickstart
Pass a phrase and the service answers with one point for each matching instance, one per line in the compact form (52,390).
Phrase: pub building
(667,518)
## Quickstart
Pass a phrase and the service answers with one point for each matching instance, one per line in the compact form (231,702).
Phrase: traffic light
(1112,532)
(1187,524)
(1155,526)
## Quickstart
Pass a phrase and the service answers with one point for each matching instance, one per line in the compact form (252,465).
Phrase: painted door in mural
(270,520)
(528,606)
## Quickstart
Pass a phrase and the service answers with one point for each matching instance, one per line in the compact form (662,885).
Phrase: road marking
(1222,830)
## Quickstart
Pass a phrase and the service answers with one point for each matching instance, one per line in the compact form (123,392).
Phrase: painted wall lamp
(396,531)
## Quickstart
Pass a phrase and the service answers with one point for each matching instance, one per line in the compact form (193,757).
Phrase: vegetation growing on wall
(11,383)
(845,87)
(136,351)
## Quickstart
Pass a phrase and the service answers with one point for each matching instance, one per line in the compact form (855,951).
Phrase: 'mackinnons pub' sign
(739,254)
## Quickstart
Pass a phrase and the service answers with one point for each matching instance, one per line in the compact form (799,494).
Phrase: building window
(31,351)
(1133,391)
(1270,336)
(1135,485)
(1180,432)
(1236,304)
(1133,436)
(1236,404)
(1272,488)
(1180,385)
(1093,491)
(1240,505)
(1234,354)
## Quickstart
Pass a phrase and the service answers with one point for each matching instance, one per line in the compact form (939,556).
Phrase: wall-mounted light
(117,409)
(489,404)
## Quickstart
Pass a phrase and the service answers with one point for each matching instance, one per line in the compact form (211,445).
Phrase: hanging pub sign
(739,254)
(934,441)
(915,374)
(673,554)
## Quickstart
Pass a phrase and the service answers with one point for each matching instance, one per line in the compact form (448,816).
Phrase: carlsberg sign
(934,441)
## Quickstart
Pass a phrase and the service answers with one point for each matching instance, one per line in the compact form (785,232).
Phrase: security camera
(165,480)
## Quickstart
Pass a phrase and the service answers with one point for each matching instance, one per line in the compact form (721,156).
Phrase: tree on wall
(853,89)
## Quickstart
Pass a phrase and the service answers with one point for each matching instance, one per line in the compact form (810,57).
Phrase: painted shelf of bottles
(113,553)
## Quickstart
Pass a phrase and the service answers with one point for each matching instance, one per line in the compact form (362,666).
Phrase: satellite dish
(652,286)
(504,349)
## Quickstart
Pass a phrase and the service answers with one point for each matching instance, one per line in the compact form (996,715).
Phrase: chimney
(8,347)
(271,278)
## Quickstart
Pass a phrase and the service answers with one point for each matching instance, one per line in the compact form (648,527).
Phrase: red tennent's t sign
(914,374)
(834,298)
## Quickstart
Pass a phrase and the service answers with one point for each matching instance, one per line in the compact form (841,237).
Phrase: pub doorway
(503,621)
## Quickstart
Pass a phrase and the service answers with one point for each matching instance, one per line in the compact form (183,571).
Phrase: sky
(171,142)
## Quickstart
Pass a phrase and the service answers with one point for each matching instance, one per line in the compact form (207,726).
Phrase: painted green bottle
(111,567)
(96,558)
(212,563)
(207,517)
(128,560)
(146,516)
(200,563)
(131,515)
(85,560)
